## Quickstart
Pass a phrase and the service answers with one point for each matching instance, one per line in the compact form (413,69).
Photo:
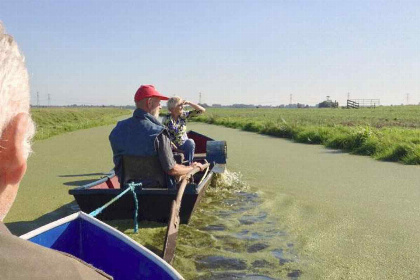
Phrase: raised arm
(195,106)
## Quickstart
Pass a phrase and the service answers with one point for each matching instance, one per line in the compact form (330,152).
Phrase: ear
(146,103)
(12,158)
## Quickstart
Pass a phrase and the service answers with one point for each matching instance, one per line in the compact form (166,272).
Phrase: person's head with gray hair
(16,125)
(173,102)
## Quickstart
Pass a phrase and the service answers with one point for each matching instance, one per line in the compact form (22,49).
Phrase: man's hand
(197,164)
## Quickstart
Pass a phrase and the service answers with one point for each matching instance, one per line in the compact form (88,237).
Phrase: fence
(357,103)
(352,104)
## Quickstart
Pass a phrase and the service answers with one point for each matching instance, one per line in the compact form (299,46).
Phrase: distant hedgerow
(385,133)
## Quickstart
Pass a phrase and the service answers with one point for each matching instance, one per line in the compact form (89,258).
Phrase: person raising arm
(143,135)
(176,123)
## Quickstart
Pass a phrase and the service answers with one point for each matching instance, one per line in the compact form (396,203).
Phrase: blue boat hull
(103,247)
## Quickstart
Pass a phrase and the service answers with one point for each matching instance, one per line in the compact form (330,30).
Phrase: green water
(283,211)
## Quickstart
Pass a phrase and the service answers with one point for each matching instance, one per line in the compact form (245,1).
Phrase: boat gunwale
(86,189)
(107,228)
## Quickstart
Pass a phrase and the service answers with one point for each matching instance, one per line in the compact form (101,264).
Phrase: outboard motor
(216,151)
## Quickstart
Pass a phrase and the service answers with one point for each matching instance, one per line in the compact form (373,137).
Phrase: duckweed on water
(227,238)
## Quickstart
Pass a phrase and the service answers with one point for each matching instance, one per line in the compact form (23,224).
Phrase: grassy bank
(384,133)
(54,121)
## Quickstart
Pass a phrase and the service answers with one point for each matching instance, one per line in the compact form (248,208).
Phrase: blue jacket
(134,136)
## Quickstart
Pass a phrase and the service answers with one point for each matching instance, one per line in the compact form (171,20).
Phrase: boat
(154,204)
(102,246)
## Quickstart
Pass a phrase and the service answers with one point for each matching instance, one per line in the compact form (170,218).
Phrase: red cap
(146,91)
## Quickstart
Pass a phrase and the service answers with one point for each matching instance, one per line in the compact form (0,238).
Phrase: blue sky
(253,52)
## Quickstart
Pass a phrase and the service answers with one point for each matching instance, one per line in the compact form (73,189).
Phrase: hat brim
(161,97)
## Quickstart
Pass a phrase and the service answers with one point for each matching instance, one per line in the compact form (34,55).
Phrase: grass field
(385,133)
(54,121)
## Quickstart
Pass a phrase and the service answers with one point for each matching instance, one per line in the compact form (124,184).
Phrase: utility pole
(37,99)
(348,95)
(291,99)
(408,97)
(199,98)
(49,100)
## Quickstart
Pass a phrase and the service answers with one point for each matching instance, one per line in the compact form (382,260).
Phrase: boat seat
(146,169)
(199,156)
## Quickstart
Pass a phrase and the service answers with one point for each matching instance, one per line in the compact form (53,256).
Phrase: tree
(328,104)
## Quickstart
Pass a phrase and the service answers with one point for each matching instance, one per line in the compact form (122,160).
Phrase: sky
(249,52)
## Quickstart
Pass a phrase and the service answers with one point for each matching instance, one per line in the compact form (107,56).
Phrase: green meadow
(53,121)
(384,133)
(389,133)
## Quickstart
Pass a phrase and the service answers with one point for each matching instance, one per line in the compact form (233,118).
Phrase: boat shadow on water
(22,227)
(82,175)
(79,183)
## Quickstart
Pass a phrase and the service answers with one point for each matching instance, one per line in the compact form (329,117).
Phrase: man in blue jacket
(143,135)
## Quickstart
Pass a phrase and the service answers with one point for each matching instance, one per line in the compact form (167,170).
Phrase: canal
(282,211)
